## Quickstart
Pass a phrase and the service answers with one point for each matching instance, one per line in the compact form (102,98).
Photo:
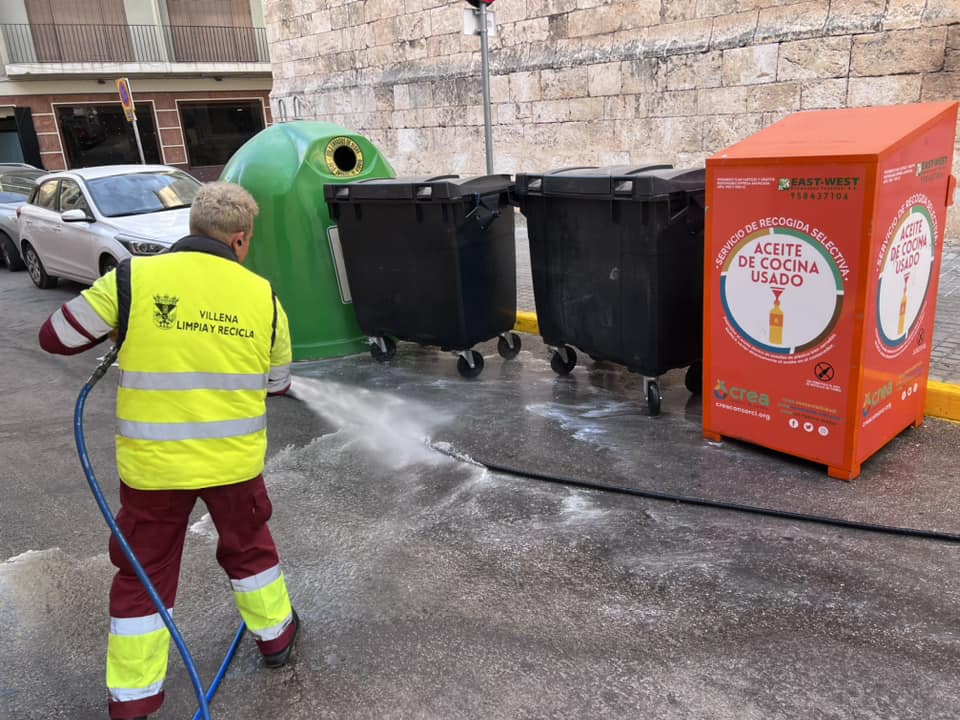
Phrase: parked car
(16,184)
(79,224)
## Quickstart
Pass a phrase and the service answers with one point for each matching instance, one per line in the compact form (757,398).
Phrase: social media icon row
(909,390)
(808,426)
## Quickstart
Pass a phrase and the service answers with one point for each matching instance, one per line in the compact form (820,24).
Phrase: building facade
(598,82)
(199,73)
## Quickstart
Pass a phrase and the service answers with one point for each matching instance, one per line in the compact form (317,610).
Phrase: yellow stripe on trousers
(267,610)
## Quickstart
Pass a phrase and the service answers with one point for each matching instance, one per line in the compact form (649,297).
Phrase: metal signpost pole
(485,72)
(136,135)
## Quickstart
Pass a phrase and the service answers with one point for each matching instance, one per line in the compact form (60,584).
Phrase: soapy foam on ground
(205,527)
(578,419)
(578,508)
(581,429)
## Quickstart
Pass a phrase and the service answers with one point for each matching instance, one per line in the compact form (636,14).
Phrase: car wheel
(36,270)
(107,263)
(9,254)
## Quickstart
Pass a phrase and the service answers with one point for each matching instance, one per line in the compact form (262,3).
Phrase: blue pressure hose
(203,698)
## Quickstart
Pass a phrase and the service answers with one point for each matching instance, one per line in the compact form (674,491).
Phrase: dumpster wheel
(508,345)
(563,360)
(470,364)
(383,348)
(654,397)
(694,378)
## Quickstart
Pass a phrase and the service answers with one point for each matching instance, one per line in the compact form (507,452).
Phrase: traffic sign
(471,22)
(126,99)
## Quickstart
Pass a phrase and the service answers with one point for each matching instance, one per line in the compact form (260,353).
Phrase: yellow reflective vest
(202,337)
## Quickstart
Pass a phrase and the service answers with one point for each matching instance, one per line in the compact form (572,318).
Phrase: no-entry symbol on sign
(126,99)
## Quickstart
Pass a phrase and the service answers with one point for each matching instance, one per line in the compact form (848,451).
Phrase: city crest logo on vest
(166,312)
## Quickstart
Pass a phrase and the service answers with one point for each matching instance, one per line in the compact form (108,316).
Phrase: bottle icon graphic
(776,318)
(902,324)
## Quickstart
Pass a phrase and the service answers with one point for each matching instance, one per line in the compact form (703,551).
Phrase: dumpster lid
(664,182)
(846,133)
(628,181)
(588,180)
(421,188)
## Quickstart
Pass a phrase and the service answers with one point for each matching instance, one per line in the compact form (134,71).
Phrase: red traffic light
(478,3)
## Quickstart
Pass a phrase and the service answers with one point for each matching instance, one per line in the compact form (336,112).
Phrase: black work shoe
(279,659)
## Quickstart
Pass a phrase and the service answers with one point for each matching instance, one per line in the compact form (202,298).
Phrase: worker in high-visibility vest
(203,341)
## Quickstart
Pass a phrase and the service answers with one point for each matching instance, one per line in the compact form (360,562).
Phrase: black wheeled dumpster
(617,260)
(431,260)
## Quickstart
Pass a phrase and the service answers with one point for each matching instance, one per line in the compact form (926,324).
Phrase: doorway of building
(10,150)
(18,137)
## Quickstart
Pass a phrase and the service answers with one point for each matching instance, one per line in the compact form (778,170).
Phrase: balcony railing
(134,44)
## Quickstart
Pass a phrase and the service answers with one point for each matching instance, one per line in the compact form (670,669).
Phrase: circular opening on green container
(345,158)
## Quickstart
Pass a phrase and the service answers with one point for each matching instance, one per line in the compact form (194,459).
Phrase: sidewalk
(945,356)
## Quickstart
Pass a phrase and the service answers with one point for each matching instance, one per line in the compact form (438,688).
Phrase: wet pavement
(431,587)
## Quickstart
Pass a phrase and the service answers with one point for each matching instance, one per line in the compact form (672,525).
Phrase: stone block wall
(597,82)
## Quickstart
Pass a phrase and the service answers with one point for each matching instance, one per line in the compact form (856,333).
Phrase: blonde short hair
(221,209)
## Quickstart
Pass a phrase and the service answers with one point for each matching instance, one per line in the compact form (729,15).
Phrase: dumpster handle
(480,203)
(696,212)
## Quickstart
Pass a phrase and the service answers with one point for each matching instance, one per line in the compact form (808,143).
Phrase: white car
(79,224)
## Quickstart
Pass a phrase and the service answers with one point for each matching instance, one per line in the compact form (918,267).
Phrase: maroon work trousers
(154,522)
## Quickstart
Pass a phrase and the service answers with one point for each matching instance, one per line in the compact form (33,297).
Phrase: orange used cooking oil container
(823,241)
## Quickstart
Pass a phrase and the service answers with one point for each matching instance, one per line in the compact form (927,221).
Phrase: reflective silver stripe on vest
(90,319)
(190,430)
(192,381)
(137,625)
(256,582)
(278,378)
(130,694)
(65,332)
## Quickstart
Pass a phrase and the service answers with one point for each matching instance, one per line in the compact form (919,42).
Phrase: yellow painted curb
(527,323)
(943,400)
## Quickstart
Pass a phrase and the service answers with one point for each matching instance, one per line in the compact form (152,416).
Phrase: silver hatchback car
(79,224)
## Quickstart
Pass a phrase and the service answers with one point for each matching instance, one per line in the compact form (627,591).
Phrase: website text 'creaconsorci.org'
(744,410)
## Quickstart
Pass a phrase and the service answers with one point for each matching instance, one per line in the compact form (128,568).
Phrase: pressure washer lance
(203,698)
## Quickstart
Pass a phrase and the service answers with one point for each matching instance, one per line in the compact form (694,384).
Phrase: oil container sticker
(782,289)
(336,252)
(905,265)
